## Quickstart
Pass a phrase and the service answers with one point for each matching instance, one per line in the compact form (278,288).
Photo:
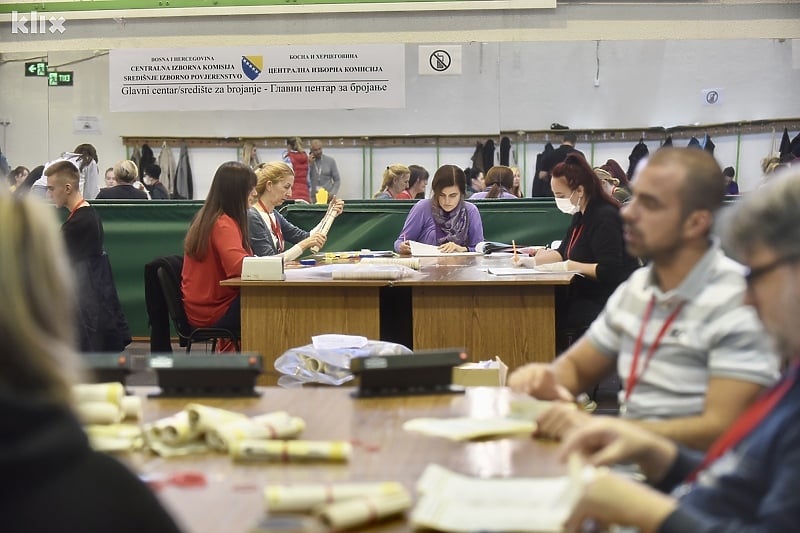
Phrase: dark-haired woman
(593,244)
(215,247)
(445,220)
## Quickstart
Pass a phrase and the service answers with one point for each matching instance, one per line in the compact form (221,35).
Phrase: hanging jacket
(708,145)
(667,141)
(147,159)
(639,152)
(541,187)
(167,163)
(488,156)
(694,143)
(136,156)
(786,144)
(477,157)
(505,151)
(5,168)
(183,187)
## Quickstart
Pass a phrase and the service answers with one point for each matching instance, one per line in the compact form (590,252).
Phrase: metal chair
(170,286)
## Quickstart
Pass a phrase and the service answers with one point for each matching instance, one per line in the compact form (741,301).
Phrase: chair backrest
(170,286)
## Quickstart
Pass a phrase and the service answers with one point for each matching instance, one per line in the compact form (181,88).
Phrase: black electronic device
(422,372)
(218,375)
(107,367)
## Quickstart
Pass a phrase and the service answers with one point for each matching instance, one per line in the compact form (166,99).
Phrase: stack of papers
(419,249)
(464,428)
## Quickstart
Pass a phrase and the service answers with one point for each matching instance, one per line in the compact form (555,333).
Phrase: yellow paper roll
(204,418)
(98,413)
(305,497)
(278,425)
(291,450)
(346,514)
(98,392)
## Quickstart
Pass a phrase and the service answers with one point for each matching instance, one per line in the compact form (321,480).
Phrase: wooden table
(232,501)
(454,303)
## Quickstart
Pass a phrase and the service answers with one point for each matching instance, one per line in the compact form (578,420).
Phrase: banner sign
(279,77)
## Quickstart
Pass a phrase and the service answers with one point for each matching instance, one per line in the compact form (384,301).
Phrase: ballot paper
(354,512)
(464,428)
(522,271)
(302,497)
(419,249)
(454,502)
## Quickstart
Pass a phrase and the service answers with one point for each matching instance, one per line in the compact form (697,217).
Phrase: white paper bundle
(114,438)
(364,510)
(98,392)
(410,262)
(131,407)
(290,450)
(305,497)
(174,430)
(203,418)
(99,412)
(278,425)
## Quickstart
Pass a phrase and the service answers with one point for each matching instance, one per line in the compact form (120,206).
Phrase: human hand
(607,440)
(538,380)
(451,247)
(405,248)
(560,266)
(315,240)
(559,419)
(613,499)
(335,207)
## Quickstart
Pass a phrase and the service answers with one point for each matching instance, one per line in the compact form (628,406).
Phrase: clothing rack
(534,136)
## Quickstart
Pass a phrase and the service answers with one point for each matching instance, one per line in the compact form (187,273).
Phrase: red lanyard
(276,228)
(747,422)
(83,203)
(633,377)
(576,234)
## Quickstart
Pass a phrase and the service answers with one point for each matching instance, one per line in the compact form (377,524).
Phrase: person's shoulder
(472,208)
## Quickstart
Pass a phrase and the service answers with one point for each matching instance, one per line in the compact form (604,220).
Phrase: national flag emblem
(252,66)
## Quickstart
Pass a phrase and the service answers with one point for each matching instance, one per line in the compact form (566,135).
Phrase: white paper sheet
(419,249)
(464,428)
(521,271)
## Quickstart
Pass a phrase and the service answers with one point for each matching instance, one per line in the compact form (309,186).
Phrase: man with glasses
(322,171)
(750,478)
(690,355)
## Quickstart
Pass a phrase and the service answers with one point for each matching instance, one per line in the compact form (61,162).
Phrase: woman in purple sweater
(445,220)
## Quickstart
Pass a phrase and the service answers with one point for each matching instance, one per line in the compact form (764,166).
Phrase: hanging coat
(794,147)
(167,163)
(541,187)
(639,152)
(147,159)
(667,142)
(505,151)
(136,156)
(488,156)
(183,188)
(785,143)
(708,145)
(477,157)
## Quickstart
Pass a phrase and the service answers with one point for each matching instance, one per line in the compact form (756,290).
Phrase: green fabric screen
(137,232)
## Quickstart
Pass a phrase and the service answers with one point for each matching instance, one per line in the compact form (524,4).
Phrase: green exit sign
(59,79)
(38,68)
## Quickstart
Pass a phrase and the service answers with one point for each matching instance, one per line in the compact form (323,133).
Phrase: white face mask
(566,206)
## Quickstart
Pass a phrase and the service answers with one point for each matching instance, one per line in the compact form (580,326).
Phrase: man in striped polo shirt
(690,355)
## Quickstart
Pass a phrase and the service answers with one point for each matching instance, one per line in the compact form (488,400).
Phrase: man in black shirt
(151,180)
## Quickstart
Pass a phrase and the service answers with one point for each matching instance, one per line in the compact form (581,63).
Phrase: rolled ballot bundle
(290,450)
(203,418)
(278,425)
(346,514)
(99,413)
(131,407)
(387,272)
(98,392)
(410,262)
(312,363)
(305,497)
(115,437)
(173,430)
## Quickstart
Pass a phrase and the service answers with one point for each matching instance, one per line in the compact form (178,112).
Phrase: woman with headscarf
(446,220)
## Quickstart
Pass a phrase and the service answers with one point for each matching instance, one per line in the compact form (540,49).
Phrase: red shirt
(204,300)
(403,195)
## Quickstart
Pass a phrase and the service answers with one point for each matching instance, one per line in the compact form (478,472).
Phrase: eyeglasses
(753,274)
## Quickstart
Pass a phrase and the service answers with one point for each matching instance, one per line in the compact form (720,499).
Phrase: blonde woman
(516,189)
(44,447)
(269,230)
(126,174)
(395,181)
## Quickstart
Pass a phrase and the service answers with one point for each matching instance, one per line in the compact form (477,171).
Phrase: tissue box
(483,374)
(262,268)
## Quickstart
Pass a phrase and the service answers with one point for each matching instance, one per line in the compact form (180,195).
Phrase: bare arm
(573,372)
(726,399)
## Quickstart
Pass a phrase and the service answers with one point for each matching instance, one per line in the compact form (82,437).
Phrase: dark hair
(26,185)
(229,192)
(613,168)
(729,171)
(12,177)
(417,173)
(570,138)
(65,168)
(154,171)
(577,172)
(88,154)
(499,178)
(447,176)
(704,186)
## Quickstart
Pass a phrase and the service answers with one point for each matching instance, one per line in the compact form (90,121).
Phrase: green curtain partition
(135,233)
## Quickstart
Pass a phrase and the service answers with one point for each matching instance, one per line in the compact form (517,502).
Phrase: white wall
(506,86)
